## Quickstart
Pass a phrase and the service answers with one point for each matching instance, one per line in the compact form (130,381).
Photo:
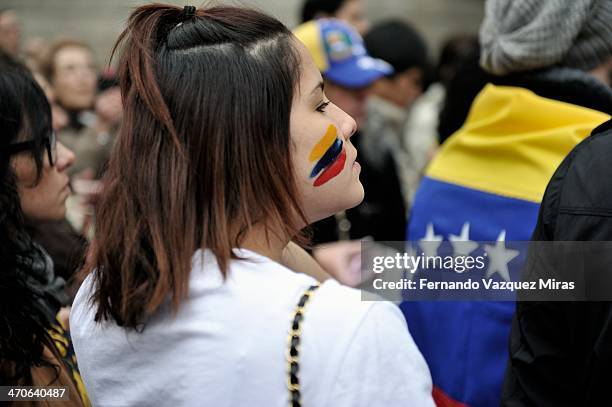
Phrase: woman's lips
(355,164)
(64,193)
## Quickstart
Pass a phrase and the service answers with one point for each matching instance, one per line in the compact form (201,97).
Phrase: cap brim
(359,72)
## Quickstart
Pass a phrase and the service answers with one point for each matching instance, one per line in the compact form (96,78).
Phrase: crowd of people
(184,226)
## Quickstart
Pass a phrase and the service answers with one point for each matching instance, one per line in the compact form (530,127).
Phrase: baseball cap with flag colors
(339,53)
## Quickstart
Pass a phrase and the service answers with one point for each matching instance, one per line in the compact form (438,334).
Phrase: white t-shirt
(227,345)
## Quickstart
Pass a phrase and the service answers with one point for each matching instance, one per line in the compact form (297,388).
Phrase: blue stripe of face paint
(330,155)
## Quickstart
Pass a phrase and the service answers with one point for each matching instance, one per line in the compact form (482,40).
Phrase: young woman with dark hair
(228,149)
(34,349)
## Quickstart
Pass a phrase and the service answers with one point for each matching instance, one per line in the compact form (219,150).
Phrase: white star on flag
(499,257)
(462,245)
(430,242)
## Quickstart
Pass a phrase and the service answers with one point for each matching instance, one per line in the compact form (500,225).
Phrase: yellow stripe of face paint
(326,141)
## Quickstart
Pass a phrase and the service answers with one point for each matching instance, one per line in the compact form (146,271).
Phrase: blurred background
(98,23)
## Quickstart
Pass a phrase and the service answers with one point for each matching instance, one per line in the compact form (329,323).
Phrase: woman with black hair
(34,348)
(229,147)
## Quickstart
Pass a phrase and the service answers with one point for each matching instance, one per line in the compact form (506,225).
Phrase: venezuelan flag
(486,184)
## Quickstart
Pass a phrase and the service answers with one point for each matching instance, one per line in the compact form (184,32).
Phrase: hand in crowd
(342,260)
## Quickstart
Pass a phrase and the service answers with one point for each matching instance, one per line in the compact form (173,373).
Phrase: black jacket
(561,352)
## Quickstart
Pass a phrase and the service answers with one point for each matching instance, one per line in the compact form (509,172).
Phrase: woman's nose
(348,125)
(65,157)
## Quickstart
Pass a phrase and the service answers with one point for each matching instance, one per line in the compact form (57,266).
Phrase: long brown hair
(202,155)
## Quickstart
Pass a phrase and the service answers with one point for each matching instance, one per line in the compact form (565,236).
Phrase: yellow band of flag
(512,142)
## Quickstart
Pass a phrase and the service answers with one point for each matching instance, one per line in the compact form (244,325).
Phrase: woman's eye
(322,106)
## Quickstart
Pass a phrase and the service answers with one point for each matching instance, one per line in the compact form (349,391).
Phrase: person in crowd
(70,68)
(107,107)
(35,350)
(228,149)
(85,120)
(10,33)
(541,92)
(423,130)
(34,50)
(349,74)
(390,102)
(560,351)
(455,57)
(349,11)
(58,115)
(455,50)
(60,239)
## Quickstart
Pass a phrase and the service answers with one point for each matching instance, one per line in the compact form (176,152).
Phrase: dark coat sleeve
(561,352)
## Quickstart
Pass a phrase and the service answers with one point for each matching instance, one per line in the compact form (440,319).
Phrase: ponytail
(146,27)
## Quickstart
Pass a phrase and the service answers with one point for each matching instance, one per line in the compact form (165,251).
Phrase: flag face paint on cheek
(331,171)
(331,135)
(330,156)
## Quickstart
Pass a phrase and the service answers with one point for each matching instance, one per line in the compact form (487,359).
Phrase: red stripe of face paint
(330,172)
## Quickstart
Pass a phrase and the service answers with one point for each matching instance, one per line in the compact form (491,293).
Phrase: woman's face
(45,200)
(351,11)
(323,157)
(74,78)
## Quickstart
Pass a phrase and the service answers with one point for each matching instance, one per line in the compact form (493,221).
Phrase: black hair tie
(189,11)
